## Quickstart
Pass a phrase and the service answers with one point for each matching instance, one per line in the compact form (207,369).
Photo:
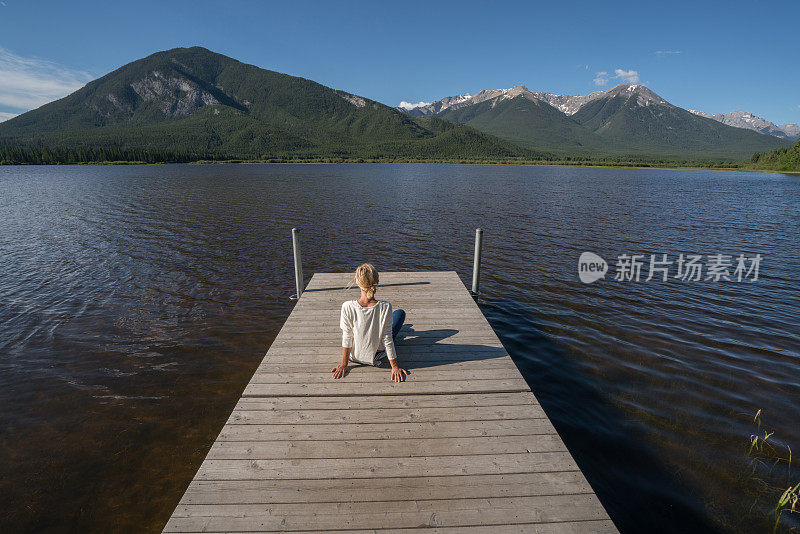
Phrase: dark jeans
(398,318)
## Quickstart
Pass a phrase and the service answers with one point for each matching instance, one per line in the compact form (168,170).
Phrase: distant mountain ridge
(189,104)
(203,105)
(568,104)
(745,119)
(628,119)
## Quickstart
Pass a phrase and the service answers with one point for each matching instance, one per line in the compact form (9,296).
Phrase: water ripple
(137,301)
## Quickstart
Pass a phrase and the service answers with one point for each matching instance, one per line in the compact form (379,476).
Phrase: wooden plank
(390,430)
(329,319)
(429,329)
(384,489)
(380,415)
(568,527)
(409,514)
(388,401)
(399,448)
(412,360)
(324,365)
(377,375)
(462,446)
(433,342)
(426,315)
(428,351)
(385,467)
(458,343)
(404,357)
(301,510)
(411,387)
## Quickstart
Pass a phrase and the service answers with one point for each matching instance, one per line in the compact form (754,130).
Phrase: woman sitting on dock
(369,328)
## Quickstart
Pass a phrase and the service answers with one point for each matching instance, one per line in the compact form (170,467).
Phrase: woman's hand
(398,374)
(339,371)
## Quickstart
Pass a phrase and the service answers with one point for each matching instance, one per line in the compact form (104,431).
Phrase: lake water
(135,303)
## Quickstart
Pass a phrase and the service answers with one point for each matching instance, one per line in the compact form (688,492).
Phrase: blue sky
(712,56)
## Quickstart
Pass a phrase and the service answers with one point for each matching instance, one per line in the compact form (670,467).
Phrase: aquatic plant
(787,502)
(768,454)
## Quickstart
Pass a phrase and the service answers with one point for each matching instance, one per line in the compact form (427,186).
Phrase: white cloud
(5,116)
(601,78)
(625,76)
(668,52)
(409,106)
(27,83)
(628,76)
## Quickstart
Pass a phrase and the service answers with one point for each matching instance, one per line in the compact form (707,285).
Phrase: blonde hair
(366,278)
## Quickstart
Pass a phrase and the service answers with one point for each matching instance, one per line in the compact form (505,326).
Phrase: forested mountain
(191,103)
(635,119)
(528,122)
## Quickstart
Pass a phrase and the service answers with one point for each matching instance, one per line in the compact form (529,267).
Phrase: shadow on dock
(441,354)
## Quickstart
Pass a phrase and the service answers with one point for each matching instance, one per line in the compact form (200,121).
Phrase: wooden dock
(462,446)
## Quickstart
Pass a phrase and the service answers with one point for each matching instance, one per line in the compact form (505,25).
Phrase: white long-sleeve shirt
(367,330)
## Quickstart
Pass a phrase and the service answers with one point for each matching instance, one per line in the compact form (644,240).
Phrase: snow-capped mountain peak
(408,106)
(749,121)
(568,104)
(700,113)
(643,95)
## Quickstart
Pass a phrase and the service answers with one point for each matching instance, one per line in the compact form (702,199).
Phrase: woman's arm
(398,374)
(347,342)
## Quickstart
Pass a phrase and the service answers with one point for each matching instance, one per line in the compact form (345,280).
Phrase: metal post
(476,265)
(298,263)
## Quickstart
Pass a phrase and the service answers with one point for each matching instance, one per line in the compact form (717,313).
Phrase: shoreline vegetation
(783,160)
(786,159)
(754,166)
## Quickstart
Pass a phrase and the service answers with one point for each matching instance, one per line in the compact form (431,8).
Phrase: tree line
(39,155)
(780,159)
